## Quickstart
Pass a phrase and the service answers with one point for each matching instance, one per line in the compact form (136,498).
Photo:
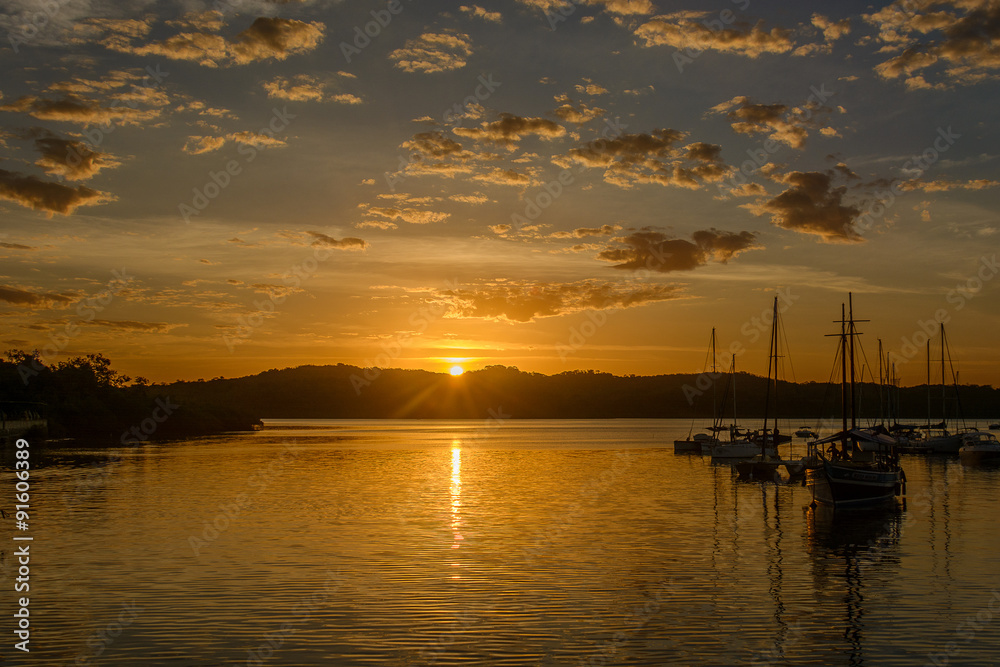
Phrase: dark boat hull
(688,446)
(851,485)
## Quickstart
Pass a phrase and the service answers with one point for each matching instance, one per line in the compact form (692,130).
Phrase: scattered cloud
(812,204)
(433,52)
(267,38)
(47,196)
(478,12)
(788,125)
(684,30)
(31,299)
(655,157)
(525,301)
(655,251)
(510,129)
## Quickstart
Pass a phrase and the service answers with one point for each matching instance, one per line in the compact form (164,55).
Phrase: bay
(501,542)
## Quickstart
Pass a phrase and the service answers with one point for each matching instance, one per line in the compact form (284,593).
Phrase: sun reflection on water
(456,498)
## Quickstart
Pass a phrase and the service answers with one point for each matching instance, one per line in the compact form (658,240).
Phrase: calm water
(456,542)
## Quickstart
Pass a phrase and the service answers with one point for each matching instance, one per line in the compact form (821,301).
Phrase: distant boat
(804,432)
(938,439)
(696,444)
(740,444)
(764,464)
(979,448)
(852,476)
(995,427)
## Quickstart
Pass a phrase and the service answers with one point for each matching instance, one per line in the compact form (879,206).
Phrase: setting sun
(456,370)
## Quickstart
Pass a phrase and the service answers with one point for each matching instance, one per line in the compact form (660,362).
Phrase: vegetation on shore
(85,397)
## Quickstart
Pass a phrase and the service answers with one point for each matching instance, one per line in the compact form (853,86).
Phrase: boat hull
(972,457)
(851,485)
(687,446)
(739,450)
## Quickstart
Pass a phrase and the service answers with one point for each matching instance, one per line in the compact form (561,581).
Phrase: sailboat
(739,445)
(695,445)
(764,465)
(850,476)
(938,439)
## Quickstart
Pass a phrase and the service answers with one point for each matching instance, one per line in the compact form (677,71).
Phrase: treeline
(86,398)
(343,391)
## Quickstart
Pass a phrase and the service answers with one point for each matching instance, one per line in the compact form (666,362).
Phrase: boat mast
(881,385)
(735,420)
(767,395)
(850,315)
(715,417)
(843,376)
(928,384)
(944,409)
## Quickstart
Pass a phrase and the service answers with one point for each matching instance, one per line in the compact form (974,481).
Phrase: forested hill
(344,391)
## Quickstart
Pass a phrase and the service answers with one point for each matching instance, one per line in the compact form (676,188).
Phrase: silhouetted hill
(344,391)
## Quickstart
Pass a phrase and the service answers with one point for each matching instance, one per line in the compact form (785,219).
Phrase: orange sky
(198,193)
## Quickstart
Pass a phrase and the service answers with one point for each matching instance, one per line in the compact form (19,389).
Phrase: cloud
(32,192)
(300,88)
(619,7)
(77,109)
(812,205)
(480,13)
(525,301)
(590,88)
(498,176)
(266,38)
(654,157)
(578,115)
(305,88)
(961,36)
(944,185)
(196,145)
(137,327)
(475,198)
(411,215)
(433,52)
(788,125)
(20,297)
(684,30)
(509,129)
(346,243)
(583,232)
(16,246)
(655,251)
(69,159)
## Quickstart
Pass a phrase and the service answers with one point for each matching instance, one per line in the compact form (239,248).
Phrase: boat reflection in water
(852,556)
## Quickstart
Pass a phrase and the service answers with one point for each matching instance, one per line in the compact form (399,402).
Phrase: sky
(216,189)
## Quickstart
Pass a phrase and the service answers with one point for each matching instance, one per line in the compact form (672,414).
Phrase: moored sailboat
(852,476)
(696,444)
